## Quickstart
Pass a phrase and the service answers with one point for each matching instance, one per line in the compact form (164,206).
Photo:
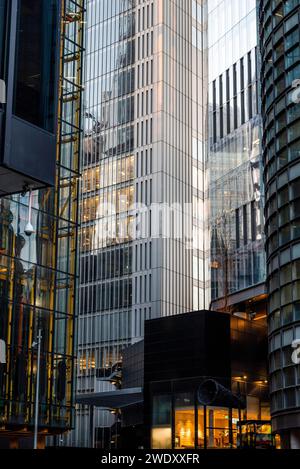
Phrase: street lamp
(37,344)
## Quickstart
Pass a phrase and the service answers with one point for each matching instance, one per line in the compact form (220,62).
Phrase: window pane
(2,35)
(35,57)
(184,421)
(161,438)
(161,434)
(162,410)
(217,428)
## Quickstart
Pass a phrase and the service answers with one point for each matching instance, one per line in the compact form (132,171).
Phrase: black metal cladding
(29,61)
(280,38)
(195,344)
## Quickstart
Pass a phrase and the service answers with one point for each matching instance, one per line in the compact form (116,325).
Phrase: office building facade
(279,31)
(234,171)
(40,118)
(143,168)
(234,161)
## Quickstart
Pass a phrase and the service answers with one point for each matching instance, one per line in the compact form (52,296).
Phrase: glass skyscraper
(234,162)
(279,29)
(235,195)
(144,146)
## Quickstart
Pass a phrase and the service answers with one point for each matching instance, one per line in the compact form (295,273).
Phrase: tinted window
(35,62)
(2,34)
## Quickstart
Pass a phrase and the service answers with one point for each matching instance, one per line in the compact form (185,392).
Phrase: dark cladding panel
(31,152)
(194,344)
(133,366)
(249,348)
(28,123)
(217,345)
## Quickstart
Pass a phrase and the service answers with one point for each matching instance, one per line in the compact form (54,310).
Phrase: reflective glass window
(3,5)
(36,45)
(287,314)
(161,433)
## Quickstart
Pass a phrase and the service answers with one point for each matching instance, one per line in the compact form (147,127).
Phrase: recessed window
(287,314)
(286,294)
(284,235)
(289,376)
(296,208)
(295,189)
(283,196)
(276,319)
(290,398)
(297,311)
(285,274)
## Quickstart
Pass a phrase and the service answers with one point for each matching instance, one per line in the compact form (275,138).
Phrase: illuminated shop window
(184,421)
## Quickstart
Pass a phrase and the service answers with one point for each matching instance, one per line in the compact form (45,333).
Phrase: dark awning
(112,399)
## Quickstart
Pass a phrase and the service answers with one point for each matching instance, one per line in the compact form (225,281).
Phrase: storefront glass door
(184,408)
(221,431)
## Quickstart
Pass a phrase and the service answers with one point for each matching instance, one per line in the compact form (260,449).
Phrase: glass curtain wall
(38,272)
(144,143)
(107,195)
(234,156)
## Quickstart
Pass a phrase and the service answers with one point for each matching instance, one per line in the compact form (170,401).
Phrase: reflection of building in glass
(38,272)
(234,160)
(234,165)
(143,144)
(279,27)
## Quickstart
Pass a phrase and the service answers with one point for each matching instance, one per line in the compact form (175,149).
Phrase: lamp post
(37,390)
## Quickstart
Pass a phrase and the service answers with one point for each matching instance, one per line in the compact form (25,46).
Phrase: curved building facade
(280,37)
